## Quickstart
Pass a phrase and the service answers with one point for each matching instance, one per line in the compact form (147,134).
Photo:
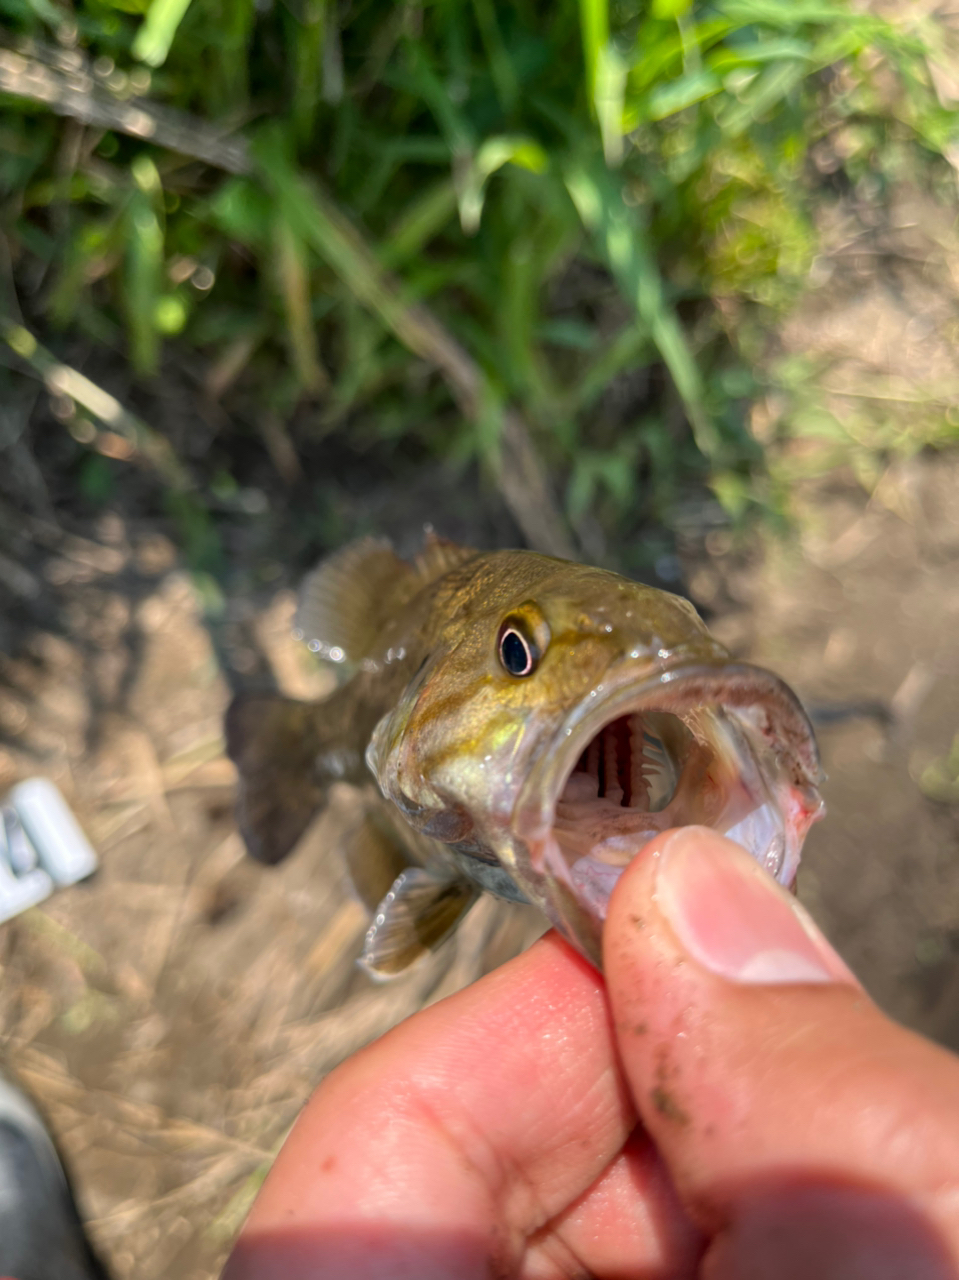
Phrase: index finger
(441,1148)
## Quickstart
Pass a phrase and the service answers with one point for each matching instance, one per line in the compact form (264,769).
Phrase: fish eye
(516,653)
(521,643)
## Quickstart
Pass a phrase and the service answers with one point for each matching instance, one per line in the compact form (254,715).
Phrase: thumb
(807,1134)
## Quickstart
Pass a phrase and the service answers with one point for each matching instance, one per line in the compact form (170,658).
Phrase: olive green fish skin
(454,739)
(453,751)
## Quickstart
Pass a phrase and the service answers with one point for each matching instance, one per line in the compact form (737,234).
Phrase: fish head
(563,715)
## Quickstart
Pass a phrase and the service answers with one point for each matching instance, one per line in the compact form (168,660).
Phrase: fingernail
(734,919)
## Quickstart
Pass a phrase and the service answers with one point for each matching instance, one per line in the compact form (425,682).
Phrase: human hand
(727,1105)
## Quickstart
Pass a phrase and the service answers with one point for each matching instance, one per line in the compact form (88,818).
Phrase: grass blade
(152,42)
(621,241)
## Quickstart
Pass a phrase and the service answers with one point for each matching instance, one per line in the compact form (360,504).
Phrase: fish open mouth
(726,746)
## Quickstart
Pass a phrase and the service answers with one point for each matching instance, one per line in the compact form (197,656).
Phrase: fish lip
(535,808)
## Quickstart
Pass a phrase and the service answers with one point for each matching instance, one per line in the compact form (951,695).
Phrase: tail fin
(273,741)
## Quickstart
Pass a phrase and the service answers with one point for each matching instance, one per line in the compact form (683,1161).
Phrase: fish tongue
(580,788)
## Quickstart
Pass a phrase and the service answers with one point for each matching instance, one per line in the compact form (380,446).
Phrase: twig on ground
(73,92)
(64,380)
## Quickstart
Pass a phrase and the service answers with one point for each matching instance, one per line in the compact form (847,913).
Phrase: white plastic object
(19,851)
(22,883)
(64,851)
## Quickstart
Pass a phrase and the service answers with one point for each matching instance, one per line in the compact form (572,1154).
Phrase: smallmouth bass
(531,724)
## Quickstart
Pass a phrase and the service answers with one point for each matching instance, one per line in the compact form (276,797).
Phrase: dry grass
(172,1015)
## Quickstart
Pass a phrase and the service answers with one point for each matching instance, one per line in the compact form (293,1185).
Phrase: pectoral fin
(374,860)
(420,911)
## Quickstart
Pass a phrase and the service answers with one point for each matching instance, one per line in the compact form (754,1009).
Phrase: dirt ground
(172,1014)
(862,618)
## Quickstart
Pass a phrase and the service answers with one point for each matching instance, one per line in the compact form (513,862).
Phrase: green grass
(567,196)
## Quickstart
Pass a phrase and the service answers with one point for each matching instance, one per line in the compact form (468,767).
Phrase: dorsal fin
(374,859)
(439,556)
(349,597)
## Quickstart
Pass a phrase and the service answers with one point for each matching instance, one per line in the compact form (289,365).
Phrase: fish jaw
(720,744)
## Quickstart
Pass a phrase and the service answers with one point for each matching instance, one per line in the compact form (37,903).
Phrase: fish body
(530,724)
